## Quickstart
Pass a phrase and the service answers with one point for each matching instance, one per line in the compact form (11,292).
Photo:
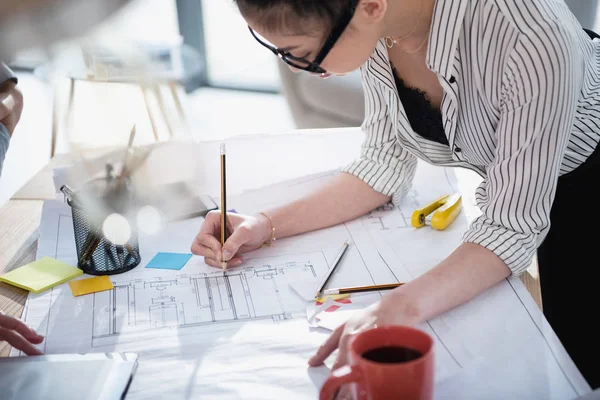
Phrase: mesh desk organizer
(90,206)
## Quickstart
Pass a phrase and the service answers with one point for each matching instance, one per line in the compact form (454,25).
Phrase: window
(214,29)
(233,57)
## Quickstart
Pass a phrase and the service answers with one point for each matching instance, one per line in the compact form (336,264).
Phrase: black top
(425,119)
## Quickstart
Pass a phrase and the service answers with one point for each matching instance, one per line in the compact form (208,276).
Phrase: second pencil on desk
(361,289)
(330,272)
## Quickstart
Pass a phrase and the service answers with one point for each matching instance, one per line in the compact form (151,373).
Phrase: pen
(330,272)
(223,204)
(90,245)
(129,148)
(125,168)
(361,289)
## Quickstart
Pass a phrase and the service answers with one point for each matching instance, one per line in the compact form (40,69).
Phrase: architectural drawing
(383,218)
(258,291)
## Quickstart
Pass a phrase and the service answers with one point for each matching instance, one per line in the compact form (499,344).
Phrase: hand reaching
(19,335)
(390,310)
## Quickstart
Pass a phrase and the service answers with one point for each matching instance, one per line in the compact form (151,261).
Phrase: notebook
(97,376)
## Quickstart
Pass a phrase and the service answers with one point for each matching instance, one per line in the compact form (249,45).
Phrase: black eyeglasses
(314,66)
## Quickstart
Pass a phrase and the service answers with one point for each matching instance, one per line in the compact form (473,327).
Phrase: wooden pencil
(331,270)
(223,202)
(361,289)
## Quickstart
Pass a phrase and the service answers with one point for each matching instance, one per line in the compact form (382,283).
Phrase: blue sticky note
(169,261)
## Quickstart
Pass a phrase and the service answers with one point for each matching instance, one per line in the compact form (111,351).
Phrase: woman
(507,88)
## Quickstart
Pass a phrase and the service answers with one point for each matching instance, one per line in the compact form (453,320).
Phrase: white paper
(333,313)
(333,320)
(306,288)
(515,374)
(266,358)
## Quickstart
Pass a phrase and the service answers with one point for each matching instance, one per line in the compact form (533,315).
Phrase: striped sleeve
(384,164)
(541,82)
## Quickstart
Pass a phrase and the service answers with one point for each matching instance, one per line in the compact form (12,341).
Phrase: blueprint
(244,334)
(194,300)
(145,302)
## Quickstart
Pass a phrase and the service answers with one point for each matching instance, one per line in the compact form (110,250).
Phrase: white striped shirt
(521,107)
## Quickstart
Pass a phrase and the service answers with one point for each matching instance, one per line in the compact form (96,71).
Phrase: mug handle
(339,377)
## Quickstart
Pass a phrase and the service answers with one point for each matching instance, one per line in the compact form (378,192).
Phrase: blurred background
(215,82)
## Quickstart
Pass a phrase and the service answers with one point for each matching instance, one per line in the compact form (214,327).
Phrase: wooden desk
(20,217)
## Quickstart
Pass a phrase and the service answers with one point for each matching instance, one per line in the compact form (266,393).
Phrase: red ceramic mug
(387,362)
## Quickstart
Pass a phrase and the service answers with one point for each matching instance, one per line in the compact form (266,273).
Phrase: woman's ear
(371,11)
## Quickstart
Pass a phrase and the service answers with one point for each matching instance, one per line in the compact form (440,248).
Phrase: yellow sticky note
(90,285)
(41,275)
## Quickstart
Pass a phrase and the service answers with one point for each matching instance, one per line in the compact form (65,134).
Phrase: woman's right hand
(244,233)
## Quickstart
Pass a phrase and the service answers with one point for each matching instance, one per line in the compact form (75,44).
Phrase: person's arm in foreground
(344,198)
(19,335)
(13,330)
(468,271)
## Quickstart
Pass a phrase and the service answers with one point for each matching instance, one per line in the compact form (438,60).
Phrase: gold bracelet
(269,244)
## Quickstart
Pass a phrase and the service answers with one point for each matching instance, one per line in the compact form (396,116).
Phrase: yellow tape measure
(445,210)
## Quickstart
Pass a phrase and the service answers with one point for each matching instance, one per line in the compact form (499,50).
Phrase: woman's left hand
(392,309)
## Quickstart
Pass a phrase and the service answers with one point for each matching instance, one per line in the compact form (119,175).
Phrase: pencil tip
(222,148)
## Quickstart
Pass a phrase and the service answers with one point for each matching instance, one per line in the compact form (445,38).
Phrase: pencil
(327,276)
(125,168)
(223,203)
(129,148)
(361,289)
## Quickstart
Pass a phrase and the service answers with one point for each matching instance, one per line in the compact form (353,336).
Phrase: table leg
(152,122)
(69,109)
(55,109)
(55,115)
(177,101)
(531,280)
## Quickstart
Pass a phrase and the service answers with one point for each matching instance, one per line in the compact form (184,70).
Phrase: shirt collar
(446,24)
(378,65)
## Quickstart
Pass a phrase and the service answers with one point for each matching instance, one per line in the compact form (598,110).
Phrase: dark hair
(293,16)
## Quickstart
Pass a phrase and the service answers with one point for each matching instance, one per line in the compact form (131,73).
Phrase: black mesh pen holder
(96,254)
